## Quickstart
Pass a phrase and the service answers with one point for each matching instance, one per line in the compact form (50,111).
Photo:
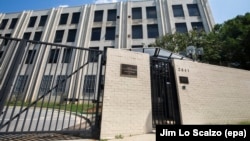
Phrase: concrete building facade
(122,25)
(119,25)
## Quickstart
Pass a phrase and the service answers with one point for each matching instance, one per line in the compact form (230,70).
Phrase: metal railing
(165,108)
(52,88)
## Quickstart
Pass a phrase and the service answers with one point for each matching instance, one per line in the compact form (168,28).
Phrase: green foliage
(235,34)
(245,123)
(119,136)
(227,44)
(103,139)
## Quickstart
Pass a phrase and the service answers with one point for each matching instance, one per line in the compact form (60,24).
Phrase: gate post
(7,84)
(96,130)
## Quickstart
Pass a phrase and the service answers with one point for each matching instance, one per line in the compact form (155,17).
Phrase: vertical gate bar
(71,104)
(9,74)
(50,91)
(85,81)
(99,75)
(171,99)
(54,87)
(44,93)
(92,99)
(23,99)
(165,94)
(28,80)
(75,99)
(94,102)
(78,101)
(61,81)
(152,90)
(12,91)
(73,96)
(158,92)
(162,88)
(175,96)
(10,79)
(82,90)
(47,87)
(66,104)
(29,100)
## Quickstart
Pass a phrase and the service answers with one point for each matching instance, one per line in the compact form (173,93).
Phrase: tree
(213,46)
(178,42)
(227,44)
(235,34)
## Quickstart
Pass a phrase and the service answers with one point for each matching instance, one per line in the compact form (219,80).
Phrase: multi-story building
(120,25)
(128,24)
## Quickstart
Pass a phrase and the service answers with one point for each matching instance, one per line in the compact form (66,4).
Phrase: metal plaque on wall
(128,70)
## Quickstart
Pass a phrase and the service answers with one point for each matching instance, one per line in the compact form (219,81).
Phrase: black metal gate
(165,108)
(49,88)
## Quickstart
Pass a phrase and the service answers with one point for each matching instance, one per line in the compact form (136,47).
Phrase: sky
(222,10)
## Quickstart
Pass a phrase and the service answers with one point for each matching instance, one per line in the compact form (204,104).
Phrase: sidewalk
(142,137)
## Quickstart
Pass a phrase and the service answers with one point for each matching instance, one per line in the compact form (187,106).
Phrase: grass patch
(245,123)
(73,107)
(119,136)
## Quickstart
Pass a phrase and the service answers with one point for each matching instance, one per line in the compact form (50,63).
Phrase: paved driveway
(40,120)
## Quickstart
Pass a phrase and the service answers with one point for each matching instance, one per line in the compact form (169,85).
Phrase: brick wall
(127,100)
(214,95)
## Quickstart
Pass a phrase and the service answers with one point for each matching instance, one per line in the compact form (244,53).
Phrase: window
(137,46)
(75,18)
(89,84)
(53,55)
(110,33)
(32,21)
(43,20)
(6,40)
(20,83)
(71,35)
(37,36)
(4,23)
(136,13)
(93,54)
(197,26)
(151,12)
(45,84)
(59,36)
(98,16)
(181,27)
(153,31)
(61,83)
(96,34)
(178,11)
(30,57)
(1,54)
(26,35)
(111,15)
(67,53)
(137,32)
(13,23)
(193,10)
(63,19)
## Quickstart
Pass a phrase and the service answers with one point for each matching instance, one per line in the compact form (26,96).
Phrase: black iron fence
(165,108)
(50,88)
